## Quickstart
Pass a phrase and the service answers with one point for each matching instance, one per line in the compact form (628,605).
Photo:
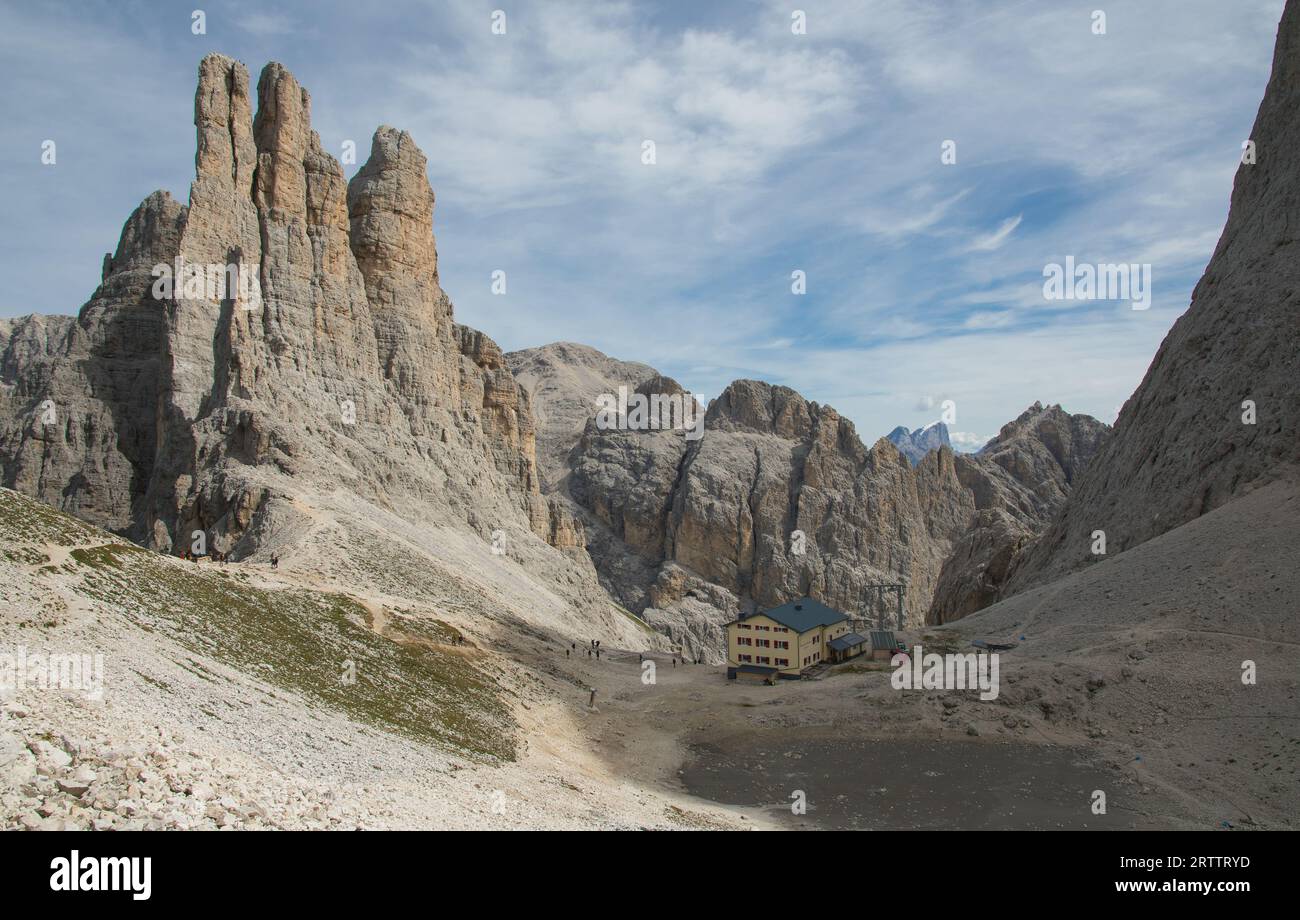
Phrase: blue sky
(776,152)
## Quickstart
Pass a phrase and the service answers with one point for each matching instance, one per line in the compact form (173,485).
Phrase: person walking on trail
(598,654)
(275,562)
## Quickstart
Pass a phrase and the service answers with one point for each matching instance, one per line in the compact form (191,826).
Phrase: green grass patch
(314,644)
(110,555)
(636,619)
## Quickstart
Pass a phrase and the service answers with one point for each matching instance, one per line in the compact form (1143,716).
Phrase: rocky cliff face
(563,380)
(781,499)
(914,445)
(79,397)
(329,368)
(1019,481)
(1217,413)
(772,466)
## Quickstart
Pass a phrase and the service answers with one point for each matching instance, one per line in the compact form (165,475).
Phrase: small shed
(849,645)
(883,644)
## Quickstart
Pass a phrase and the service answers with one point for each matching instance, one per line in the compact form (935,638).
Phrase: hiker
(598,654)
(275,562)
(566,653)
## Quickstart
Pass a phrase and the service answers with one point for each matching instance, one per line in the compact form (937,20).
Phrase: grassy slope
(301,641)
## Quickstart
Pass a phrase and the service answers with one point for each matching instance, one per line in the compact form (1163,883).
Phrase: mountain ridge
(778,499)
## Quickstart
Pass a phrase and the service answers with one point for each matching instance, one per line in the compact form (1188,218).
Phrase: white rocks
(11,749)
(50,760)
(78,784)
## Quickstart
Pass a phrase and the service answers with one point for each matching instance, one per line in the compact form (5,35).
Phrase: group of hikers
(593,651)
(215,556)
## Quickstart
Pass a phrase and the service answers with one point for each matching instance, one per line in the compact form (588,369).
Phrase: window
(763,659)
(783,662)
(746,658)
(782,644)
(744,640)
(744,626)
(764,643)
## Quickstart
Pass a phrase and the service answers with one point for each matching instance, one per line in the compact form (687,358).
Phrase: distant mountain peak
(914,445)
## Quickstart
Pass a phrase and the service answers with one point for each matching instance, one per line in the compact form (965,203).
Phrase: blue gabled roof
(846,642)
(803,614)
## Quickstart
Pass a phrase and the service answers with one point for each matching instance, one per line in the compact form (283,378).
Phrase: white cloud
(553,126)
(991,241)
(265,25)
(967,440)
(895,223)
(988,320)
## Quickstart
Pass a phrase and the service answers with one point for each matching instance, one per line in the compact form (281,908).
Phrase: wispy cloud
(265,25)
(991,241)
